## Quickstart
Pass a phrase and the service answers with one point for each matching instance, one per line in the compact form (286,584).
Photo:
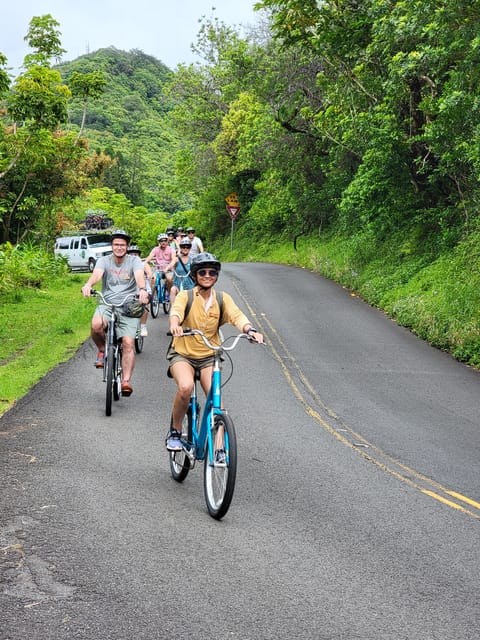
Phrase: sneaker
(143,330)
(173,442)
(100,361)
(220,456)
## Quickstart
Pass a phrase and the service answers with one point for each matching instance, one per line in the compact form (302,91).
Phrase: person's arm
(147,269)
(200,245)
(97,275)
(140,280)
(170,266)
(250,330)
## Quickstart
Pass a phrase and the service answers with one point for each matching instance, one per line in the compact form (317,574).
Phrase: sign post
(233,208)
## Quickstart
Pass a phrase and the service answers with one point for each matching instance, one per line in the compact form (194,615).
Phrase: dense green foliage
(351,128)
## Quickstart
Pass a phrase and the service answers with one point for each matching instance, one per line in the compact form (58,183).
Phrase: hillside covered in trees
(353,126)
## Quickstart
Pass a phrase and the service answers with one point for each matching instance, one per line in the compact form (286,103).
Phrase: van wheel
(91,265)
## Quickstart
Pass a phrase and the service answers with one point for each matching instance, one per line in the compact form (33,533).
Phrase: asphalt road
(356,513)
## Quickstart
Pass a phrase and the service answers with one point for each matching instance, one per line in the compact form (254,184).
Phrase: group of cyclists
(182,260)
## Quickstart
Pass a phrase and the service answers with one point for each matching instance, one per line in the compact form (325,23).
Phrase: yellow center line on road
(356,442)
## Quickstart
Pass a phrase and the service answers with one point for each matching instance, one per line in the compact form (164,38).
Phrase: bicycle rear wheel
(138,343)
(110,379)
(219,478)
(179,460)
(154,302)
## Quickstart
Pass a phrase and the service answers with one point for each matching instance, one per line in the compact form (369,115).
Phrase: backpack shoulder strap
(189,303)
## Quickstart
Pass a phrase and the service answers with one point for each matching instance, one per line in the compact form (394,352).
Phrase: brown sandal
(126,389)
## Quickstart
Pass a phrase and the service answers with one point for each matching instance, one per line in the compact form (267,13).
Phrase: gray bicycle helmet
(202,260)
(134,249)
(162,236)
(185,242)
(120,233)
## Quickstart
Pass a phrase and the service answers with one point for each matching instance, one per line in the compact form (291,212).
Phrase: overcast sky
(164,29)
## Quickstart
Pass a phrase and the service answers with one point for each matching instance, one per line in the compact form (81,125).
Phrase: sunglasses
(213,273)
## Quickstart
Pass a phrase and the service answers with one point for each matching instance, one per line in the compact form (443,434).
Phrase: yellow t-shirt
(207,321)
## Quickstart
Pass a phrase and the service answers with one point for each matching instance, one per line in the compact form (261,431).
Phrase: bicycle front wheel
(219,474)
(154,303)
(179,460)
(117,373)
(165,299)
(110,379)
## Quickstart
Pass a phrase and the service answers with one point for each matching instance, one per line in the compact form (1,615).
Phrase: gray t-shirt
(119,280)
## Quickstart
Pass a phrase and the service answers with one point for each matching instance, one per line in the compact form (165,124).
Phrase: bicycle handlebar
(95,292)
(221,347)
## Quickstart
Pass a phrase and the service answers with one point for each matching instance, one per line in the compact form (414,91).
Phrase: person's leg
(183,374)
(128,359)
(169,280)
(143,323)
(97,332)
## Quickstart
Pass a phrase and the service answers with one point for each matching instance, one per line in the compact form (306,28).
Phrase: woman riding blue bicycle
(182,278)
(187,355)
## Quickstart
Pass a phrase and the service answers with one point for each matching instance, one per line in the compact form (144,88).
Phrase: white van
(82,252)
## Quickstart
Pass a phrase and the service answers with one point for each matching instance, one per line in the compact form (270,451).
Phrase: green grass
(39,329)
(435,293)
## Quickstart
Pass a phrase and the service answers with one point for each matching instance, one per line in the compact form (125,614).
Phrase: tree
(86,86)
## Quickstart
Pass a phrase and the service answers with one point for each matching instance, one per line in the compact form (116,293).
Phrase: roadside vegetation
(348,131)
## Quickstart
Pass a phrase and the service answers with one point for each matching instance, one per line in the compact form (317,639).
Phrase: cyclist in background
(164,259)
(182,278)
(197,244)
(121,274)
(188,354)
(147,269)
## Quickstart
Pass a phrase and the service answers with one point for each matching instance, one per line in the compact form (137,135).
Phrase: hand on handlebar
(87,290)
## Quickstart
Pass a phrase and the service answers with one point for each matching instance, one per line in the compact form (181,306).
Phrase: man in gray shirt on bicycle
(121,274)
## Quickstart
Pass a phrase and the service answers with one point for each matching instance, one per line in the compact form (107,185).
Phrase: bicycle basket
(133,309)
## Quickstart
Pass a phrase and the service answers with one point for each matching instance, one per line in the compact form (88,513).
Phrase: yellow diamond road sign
(232,200)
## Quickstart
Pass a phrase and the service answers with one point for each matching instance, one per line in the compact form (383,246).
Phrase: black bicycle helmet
(185,242)
(120,233)
(134,249)
(202,260)
(190,230)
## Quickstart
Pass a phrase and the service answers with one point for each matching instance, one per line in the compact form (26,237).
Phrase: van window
(83,244)
(99,239)
(75,244)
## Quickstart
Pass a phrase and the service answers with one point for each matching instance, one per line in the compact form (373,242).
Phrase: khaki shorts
(126,326)
(197,363)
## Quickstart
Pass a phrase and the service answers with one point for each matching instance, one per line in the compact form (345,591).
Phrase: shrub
(25,265)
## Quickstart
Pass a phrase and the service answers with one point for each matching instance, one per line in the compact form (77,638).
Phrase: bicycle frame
(159,294)
(213,406)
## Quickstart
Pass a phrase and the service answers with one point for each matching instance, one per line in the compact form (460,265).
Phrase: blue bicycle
(160,295)
(211,438)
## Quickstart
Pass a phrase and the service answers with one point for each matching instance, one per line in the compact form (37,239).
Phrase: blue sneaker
(173,442)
